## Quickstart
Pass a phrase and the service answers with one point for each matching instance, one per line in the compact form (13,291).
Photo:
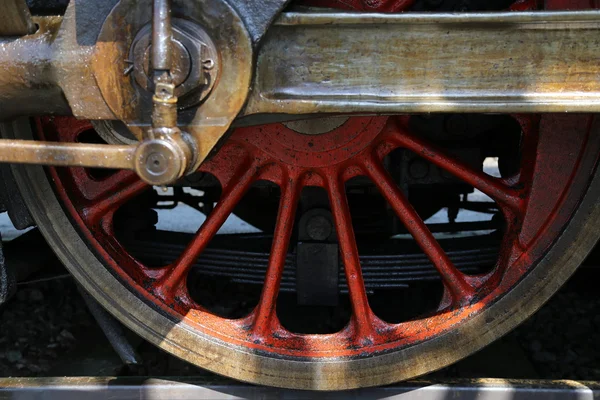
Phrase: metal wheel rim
(226,359)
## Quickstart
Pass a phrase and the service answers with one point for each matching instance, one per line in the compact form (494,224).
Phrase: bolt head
(159,162)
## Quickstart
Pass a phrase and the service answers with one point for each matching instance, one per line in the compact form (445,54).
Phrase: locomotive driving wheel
(544,221)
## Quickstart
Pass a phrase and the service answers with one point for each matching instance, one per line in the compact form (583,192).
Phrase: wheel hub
(210,68)
(196,66)
(325,149)
(317,126)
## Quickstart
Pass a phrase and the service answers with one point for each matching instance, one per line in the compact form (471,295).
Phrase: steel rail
(219,388)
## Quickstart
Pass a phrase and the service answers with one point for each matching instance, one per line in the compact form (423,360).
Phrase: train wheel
(547,203)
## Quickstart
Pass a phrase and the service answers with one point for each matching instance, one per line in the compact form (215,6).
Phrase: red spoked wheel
(545,203)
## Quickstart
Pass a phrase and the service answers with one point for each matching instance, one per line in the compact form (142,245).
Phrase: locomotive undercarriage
(363,191)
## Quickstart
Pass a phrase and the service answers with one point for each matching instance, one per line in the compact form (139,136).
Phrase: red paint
(363,5)
(264,320)
(454,280)
(526,5)
(293,161)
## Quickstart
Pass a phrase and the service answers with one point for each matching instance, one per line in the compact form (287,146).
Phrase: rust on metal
(27,82)
(440,62)
(229,45)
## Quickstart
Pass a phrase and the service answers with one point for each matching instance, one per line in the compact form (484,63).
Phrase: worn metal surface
(163,160)
(441,62)
(206,124)
(162,36)
(340,63)
(163,156)
(168,388)
(16,19)
(195,62)
(27,82)
(67,154)
(156,161)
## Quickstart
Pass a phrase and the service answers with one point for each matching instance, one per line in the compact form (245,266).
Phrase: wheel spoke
(120,188)
(493,187)
(362,313)
(231,196)
(95,190)
(453,279)
(265,312)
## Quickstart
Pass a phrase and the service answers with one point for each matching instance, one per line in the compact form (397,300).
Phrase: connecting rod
(164,155)
(307,63)
(67,154)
